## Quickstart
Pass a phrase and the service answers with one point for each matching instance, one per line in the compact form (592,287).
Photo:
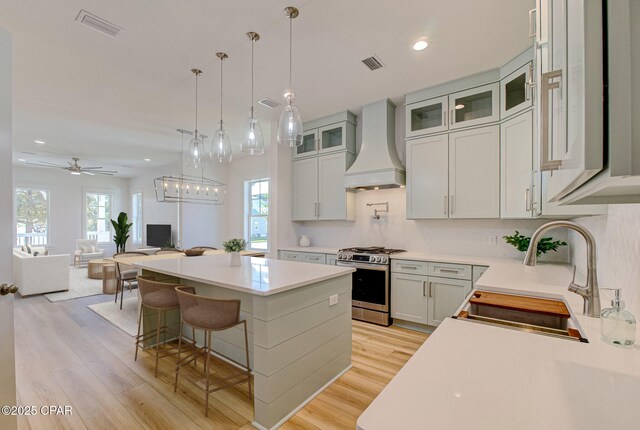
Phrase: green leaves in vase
(545,244)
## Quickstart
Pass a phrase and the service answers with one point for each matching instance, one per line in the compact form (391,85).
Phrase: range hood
(377,164)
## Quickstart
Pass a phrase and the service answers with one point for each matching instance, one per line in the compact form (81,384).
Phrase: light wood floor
(68,355)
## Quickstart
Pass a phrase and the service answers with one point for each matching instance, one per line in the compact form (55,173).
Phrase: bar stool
(209,314)
(125,273)
(161,297)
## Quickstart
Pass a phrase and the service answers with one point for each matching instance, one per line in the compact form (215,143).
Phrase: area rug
(79,286)
(125,319)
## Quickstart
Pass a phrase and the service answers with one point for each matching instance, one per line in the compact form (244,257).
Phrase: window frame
(15,212)
(113,210)
(248,216)
(141,220)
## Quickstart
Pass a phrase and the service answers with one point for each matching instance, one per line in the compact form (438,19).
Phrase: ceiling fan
(76,169)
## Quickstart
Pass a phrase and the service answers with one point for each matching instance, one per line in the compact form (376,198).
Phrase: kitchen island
(469,375)
(299,339)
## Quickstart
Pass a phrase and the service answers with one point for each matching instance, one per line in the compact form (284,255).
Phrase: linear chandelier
(188,188)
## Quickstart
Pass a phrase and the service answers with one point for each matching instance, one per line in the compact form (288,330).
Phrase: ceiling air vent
(98,24)
(268,102)
(372,63)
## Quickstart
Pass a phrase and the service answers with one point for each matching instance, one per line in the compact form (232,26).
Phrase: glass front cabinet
(516,91)
(326,135)
(473,107)
(309,144)
(332,138)
(427,117)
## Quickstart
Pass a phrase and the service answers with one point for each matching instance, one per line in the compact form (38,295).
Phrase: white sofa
(40,274)
(86,250)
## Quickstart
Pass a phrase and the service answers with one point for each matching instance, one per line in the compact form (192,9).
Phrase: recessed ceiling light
(147,159)
(41,142)
(22,160)
(420,45)
(460,106)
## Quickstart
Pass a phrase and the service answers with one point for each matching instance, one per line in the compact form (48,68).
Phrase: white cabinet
(329,134)
(478,271)
(331,259)
(474,173)
(318,191)
(290,256)
(409,297)
(314,258)
(516,163)
(307,257)
(428,177)
(426,117)
(475,106)
(428,299)
(444,297)
(455,175)
(516,91)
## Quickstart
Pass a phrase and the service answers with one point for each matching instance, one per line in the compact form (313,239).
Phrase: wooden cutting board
(528,304)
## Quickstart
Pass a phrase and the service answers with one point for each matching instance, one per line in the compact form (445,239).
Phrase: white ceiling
(117,101)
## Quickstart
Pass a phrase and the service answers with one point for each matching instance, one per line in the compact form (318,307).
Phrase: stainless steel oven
(370,292)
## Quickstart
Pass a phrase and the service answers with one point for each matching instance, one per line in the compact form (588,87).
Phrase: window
(98,216)
(136,218)
(257,229)
(32,216)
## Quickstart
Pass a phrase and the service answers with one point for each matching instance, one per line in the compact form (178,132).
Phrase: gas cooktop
(372,250)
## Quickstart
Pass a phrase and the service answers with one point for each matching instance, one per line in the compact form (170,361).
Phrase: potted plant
(121,229)
(234,246)
(545,244)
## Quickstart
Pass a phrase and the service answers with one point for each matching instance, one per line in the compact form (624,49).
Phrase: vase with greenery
(121,229)
(546,244)
(234,246)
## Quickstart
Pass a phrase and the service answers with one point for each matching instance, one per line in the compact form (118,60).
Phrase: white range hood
(377,164)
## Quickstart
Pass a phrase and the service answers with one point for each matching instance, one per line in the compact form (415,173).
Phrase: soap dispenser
(618,324)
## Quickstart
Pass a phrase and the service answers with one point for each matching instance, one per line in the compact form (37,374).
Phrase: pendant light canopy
(290,123)
(196,155)
(220,144)
(252,140)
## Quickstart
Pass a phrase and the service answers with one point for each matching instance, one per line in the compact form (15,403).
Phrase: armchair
(86,249)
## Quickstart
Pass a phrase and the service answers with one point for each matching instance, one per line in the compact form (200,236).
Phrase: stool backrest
(126,255)
(148,284)
(218,313)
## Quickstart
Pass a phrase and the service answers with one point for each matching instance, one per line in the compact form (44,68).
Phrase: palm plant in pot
(121,229)
(234,246)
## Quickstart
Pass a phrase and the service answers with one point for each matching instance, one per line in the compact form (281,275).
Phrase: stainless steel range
(370,298)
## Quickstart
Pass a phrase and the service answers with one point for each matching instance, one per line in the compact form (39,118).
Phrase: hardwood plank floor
(68,355)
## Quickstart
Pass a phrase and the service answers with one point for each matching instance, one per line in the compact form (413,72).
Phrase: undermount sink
(524,313)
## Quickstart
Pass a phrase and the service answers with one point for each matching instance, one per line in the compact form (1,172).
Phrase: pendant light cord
(196,136)
(252,42)
(290,53)
(221,78)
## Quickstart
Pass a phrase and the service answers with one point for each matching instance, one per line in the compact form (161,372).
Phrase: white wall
(618,252)
(66,196)
(6,207)
(457,237)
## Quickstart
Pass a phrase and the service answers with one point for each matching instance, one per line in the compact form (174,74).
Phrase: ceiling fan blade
(47,164)
(103,173)
(91,168)
(87,173)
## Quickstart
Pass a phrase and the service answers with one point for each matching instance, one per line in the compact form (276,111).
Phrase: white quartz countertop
(258,276)
(318,249)
(469,375)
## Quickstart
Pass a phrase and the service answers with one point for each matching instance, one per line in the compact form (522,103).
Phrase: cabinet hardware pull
(547,163)
(409,267)
(445,205)
(444,121)
(451,202)
(532,31)
(527,204)
(448,270)
(529,85)
(533,203)
(424,284)
(314,258)
(430,289)
(452,117)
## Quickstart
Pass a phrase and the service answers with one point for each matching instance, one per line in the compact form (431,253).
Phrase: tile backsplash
(480,237)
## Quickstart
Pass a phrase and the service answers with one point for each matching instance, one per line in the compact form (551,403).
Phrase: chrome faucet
(589,292)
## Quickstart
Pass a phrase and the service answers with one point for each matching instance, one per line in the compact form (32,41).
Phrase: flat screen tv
(158,235)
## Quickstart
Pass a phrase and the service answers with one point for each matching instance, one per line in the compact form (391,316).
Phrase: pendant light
(253,141)
(220,144)
(290,123)
(196,155)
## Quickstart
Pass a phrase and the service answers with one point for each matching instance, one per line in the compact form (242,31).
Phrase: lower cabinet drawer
(308,257)
(409,266)
(290,256)
(449,270)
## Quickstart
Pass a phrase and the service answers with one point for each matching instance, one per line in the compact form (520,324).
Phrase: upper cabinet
(330,134)
(516,91)
(467,108)
(318,168)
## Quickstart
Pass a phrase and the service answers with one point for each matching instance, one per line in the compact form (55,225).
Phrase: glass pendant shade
(196,156)
(253,140)
(221,145)
(290,125)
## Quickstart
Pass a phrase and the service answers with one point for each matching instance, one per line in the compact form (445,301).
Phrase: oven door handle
(363,266)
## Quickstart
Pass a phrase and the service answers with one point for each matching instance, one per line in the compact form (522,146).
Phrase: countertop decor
(521,243)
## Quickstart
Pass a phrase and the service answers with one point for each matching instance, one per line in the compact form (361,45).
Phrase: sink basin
(524,313)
